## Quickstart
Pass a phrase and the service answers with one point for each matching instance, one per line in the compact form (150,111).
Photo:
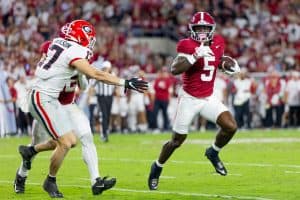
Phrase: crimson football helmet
(79,31)
(207,22)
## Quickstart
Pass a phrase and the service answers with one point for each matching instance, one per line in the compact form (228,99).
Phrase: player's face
(202,29)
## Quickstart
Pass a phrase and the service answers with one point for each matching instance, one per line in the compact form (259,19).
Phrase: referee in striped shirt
(104,93)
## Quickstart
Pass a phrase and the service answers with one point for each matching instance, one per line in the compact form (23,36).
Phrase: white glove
(233,70)
(202,51)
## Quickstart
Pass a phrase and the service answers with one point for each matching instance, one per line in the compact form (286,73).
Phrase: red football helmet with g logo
(79,31)
(63,30)
(206,24)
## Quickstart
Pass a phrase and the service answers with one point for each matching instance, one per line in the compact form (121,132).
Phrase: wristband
(122,82)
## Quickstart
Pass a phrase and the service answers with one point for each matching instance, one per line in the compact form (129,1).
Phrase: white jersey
(293,90)
(243,91)
(54,72)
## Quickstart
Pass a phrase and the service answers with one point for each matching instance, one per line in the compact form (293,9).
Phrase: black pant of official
(294,116)
(163,106)
(242,115)
(151,118)
(23,121)
(270,121)
(105,103)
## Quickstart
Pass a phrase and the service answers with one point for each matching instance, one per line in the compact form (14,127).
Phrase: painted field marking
(239,140)
(229,174)
(171,161)
(291,172)
(167,177)
(160,192)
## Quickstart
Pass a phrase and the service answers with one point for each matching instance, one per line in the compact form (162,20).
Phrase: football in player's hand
(226,63)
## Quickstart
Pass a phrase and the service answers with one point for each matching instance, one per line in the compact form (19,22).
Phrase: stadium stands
(263,35)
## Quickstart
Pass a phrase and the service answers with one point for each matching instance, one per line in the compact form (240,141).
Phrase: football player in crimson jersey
(67,56)
(198,59)
(82,130)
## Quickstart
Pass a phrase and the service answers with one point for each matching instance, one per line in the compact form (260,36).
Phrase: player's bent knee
(175,144)
(231,127)
(68,140)
(177,140)
(52,144)
(87,139)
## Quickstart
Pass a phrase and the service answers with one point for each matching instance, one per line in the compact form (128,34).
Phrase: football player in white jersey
(66,57)
(82,130)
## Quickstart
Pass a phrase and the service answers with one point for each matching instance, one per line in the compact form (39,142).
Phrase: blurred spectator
(262,35)
(12,91)
(292,96)
(23,119)
(149,102)
(163,90)
(275,91)
(244,87)
(7,114)
(137,120)
(119,111)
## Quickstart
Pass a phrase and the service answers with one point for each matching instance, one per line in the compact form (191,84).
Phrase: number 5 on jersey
(209,68)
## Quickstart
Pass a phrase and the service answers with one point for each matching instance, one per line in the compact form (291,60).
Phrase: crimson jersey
(198,81)
(67,95)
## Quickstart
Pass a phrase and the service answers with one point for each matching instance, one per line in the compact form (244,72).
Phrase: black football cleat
(51,187)
(19,184)
(102,185)
(154,176)
(27,155)
(213,156)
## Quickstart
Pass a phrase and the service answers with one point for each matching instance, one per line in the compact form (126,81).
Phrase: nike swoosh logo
(217,46)
(131,85)
(100,186)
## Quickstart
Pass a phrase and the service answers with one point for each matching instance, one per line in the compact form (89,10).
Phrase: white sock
(51,176)
(89,154)
(142,127)
(159,164)
(23,171)
(215,147)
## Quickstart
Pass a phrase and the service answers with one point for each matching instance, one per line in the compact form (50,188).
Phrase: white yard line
(239,140)
(229,174)
(167,177)
(223,196)
(291,172)
(162,177)
(171,161)
(83,179)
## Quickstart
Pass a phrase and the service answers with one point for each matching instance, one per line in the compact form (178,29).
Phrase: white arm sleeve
(82,81)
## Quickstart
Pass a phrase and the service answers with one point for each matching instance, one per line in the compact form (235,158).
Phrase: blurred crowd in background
(263,35)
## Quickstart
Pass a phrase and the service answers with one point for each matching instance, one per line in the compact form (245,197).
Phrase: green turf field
(261,164)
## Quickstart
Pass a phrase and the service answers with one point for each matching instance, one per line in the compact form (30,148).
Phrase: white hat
(101,64)
(106,64)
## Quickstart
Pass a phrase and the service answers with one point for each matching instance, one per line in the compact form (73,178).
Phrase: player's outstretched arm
(84,67)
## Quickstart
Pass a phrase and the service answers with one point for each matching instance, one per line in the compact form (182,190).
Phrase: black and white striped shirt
(103,89)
